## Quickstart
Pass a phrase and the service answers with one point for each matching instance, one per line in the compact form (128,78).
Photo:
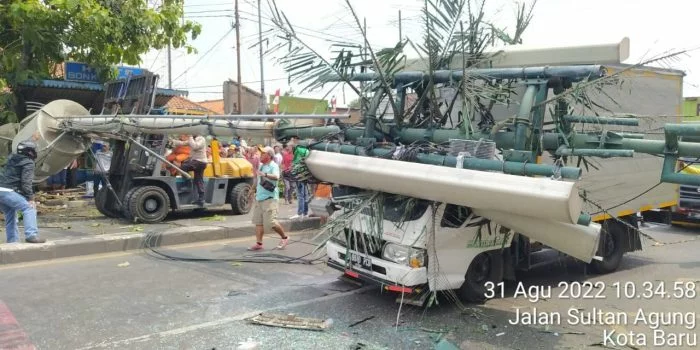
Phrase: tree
(39,34)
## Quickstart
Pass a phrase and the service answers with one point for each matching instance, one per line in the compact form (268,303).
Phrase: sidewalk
(83,231)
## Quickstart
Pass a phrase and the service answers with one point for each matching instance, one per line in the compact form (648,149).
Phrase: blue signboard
(81,72)
(125,72)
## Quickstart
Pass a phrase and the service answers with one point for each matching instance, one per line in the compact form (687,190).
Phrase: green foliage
(37,35)
(450,29)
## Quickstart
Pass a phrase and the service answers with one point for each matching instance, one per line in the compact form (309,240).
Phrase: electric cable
(265,258)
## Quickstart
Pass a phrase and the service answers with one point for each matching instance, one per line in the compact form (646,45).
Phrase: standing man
(266,200)
(289,183)
(16,193)
(196,163)
(103,160)
(302,192)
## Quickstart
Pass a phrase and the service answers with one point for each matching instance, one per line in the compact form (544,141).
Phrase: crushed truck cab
(463,253)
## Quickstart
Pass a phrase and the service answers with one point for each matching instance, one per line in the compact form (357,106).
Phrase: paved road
(98,302)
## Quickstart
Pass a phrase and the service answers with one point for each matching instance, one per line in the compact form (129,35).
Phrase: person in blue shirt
(267,200)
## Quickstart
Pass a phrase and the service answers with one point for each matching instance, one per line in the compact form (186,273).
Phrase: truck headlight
(404,255)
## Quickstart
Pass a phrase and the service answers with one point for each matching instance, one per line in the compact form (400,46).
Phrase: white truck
(469,251)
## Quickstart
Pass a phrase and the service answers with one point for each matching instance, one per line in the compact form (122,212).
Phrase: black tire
(126,213)
(149,204)
(610,248)
(239,198)
(486,267)
(102,198)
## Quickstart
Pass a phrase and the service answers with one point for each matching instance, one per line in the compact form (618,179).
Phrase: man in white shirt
(196,163)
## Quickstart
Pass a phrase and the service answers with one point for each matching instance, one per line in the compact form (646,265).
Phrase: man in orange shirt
(179,155)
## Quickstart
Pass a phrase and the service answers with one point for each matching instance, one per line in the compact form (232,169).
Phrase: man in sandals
(267,199)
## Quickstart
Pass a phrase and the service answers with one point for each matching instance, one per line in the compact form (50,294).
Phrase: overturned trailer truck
(461,239)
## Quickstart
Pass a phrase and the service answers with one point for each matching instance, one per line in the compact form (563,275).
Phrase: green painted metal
(674,149)
(631,135)
(523,118)
(602,153)
(584,219)
(525,169)
(571,73)
(305,132)
(601,120)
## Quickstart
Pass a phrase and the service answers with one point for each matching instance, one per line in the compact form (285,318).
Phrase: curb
(119,242)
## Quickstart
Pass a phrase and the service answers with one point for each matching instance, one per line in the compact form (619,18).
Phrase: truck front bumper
(382,271)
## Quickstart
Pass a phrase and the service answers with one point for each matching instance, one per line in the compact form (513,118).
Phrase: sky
(653,27)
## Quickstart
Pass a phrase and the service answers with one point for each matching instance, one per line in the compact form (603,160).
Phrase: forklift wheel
(239,198)
(149,204)
(101,200)
(126,213)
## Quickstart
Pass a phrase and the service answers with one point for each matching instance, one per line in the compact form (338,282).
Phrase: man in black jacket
(16,193)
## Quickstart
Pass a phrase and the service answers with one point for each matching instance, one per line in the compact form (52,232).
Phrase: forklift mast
(133,95)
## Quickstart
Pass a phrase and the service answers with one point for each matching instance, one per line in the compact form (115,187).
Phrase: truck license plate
(357,259)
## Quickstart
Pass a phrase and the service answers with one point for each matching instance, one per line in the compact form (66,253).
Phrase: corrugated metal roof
(72,85)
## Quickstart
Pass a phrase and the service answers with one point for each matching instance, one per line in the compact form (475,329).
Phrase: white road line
(223,321)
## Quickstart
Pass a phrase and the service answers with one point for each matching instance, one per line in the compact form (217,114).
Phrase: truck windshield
(396,208)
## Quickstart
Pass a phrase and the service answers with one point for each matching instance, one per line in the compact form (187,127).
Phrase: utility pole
(170,69)
(400,35)
(238,59)
(363,50)
(263,107)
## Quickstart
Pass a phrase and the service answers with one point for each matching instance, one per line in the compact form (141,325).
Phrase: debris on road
(291,321)
(213,218)
(249,344)
(124,264)
(361,321)
(445,344)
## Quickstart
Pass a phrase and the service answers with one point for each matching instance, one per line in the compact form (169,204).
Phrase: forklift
(136,187)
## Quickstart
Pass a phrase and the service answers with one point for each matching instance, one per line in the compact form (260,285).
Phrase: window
(454,216)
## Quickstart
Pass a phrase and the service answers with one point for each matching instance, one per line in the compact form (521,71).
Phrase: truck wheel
(239,198)
(149,204)
(610,248)
(102,197)
(486,267)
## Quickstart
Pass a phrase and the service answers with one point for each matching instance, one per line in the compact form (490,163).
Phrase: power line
(203,5)
(209,11)
(209,16)
(205,54)
(245,82)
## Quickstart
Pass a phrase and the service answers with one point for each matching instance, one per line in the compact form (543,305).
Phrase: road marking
(223,321)
(11,334)
(136,251)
